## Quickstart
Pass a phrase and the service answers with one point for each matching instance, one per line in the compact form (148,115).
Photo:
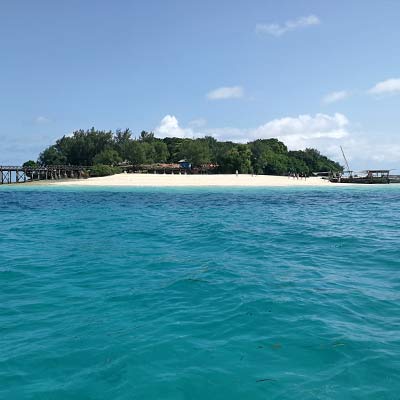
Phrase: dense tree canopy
(237,158)
(262,156)
(195,151)
(107,157)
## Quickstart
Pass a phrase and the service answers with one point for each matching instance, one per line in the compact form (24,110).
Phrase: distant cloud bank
(299,132)
(390,86)
(277,30)
(296,132)
(227,92)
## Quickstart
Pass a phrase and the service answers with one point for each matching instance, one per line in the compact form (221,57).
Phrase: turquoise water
(200,293)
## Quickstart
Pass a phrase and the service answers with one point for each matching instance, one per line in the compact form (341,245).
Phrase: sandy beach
(160,180)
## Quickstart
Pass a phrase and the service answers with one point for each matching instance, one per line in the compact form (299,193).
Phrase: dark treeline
(262,156)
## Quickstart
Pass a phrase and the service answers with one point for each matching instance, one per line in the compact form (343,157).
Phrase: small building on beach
(185,164)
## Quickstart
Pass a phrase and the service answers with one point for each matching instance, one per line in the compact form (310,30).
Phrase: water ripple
(189,293)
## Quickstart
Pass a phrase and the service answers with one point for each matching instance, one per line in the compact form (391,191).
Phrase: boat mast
(345,159)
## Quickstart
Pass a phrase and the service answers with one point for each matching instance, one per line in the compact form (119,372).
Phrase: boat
(371,176)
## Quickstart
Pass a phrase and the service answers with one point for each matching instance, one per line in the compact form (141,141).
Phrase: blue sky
(312,73)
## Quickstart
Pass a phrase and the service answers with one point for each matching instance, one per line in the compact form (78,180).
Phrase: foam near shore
(166,180)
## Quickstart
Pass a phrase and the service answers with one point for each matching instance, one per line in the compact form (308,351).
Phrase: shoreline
(218,180)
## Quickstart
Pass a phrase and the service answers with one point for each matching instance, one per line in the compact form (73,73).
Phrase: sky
(320,74)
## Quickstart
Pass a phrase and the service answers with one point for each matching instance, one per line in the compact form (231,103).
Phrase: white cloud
(41,120)
(335,96)
(280,29)
(390,86)
(228,92)
(169,127)
(299,132)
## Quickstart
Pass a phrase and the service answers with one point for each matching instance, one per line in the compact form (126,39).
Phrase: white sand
(193,180)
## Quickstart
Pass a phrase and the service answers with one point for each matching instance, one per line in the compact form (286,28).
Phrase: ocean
(201,293)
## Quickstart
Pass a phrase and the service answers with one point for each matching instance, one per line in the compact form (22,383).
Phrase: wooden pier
(16,174)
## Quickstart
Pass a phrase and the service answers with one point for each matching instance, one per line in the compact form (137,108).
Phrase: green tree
(121,140)
(107,157)
(220,153)
(238,158)
(173,146)
(315,161)
(196,151)
(52,156)
(161,152)
(135,152)
(83,146)
(149,152)
(214,148)
(269,156)
(147,137)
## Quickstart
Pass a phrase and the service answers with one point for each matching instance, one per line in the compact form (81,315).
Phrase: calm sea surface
(200,293)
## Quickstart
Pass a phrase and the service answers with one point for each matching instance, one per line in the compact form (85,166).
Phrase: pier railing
(20,174)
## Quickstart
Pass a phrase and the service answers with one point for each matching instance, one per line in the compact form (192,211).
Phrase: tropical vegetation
(104,151)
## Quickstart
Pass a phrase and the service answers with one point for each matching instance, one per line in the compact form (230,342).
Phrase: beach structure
(182,167)
(157,168)
(18,174)
(185,164)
